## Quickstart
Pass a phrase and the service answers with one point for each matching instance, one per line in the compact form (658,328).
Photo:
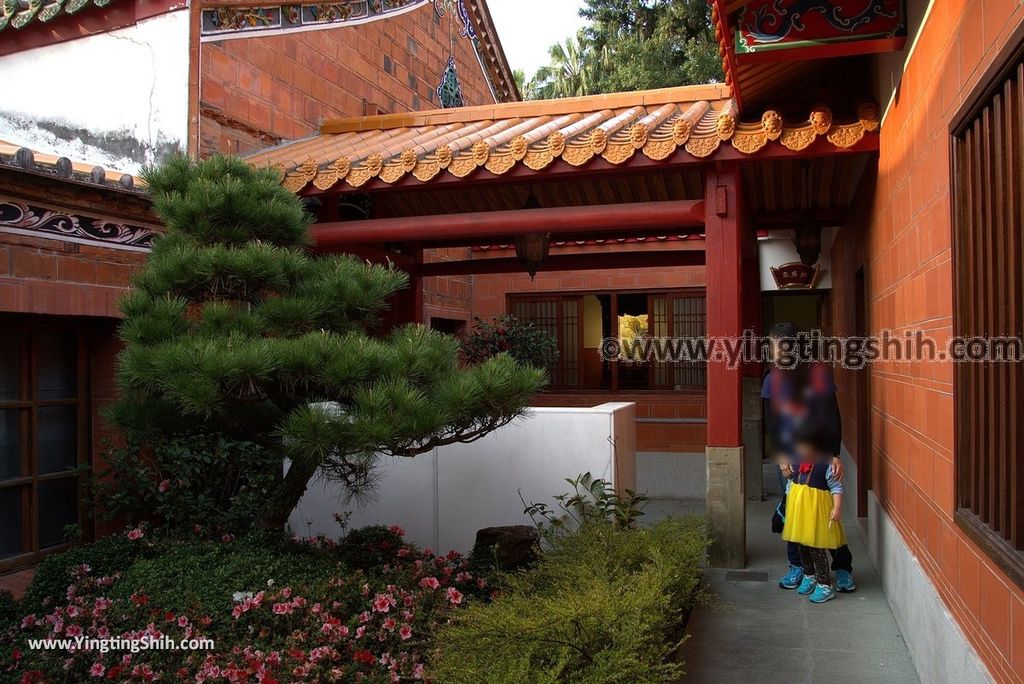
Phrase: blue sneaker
(822,593)
(807,585)
(791,580)
(844,582)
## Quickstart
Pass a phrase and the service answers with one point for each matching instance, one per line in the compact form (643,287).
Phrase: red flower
(364,656)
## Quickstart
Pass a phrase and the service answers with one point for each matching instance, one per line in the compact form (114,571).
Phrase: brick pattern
(257,91)
(46,276)
(904,238)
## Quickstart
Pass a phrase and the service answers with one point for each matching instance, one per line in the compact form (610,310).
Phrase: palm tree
(573,70)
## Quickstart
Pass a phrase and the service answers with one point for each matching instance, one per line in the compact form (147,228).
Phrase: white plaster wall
(778,249)
(131,83)
(443,497)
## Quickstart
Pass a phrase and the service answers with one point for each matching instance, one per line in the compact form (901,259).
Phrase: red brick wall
(905,240)
(45,276)
(255,91)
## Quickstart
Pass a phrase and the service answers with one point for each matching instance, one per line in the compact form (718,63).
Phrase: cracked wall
(119,99)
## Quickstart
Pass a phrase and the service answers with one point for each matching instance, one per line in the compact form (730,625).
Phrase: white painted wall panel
(442,498)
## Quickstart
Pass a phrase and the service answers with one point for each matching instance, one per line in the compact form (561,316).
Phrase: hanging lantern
(532,248)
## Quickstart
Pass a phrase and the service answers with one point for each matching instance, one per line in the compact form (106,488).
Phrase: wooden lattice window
(561,316)
(43,437)
(988,221)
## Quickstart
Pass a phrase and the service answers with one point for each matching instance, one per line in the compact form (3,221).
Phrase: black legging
(815,562)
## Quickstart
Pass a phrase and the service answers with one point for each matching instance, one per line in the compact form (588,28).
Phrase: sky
(527,28)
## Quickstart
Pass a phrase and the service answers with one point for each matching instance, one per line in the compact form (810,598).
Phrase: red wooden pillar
(725,230)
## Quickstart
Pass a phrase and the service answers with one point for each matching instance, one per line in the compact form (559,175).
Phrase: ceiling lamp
(532,248)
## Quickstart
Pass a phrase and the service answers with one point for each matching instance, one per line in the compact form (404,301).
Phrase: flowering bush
(180,482)
(343,625)
(523,341)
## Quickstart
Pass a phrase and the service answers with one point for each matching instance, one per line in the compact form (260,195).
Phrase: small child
(814,506)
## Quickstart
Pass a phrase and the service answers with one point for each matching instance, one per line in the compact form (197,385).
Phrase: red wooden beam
(489,226)
(724,246)
(567,262)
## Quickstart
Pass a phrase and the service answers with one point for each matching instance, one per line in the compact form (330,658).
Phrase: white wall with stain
(118,98)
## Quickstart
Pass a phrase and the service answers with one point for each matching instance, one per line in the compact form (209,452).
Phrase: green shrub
(181,482)
(204,576)
(10,610)
(603,605)
(107,556)
(523,341)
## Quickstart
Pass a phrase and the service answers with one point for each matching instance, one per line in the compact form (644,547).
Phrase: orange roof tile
(498,137)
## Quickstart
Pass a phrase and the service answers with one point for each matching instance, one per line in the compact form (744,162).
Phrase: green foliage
(603,605)
(234,331)
(523,341)
(10,610)
(203,576)
(107,556)
(203,480)
(591,502)
(632,45)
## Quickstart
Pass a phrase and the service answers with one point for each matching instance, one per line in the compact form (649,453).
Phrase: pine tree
(232,328)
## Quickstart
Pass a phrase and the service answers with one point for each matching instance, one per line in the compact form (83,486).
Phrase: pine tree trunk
(276,514)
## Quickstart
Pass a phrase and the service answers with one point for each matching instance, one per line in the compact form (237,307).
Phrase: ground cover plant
(276,609)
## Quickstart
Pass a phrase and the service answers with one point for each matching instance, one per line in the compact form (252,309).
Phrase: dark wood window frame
(987,191)
(562,295)
(29,405)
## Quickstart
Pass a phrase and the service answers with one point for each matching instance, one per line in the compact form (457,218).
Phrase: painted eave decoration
(773,25)
(20,13)
(695,120)
(226,21)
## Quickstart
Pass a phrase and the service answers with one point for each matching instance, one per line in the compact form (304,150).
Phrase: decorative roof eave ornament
(655,132)
(224,21)
(18,15)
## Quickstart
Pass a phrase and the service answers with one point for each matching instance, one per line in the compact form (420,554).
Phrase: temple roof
(697,120)
(15,157)
(20,13)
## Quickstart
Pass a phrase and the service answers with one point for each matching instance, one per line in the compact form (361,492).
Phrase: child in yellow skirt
(814,506)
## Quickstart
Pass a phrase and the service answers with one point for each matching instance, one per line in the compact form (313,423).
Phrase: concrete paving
(756,632)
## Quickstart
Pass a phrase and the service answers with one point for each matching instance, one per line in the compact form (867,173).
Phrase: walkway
(760,633)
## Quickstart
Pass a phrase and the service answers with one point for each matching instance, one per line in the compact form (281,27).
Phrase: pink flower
(135,534)
(72,611)
(429,583)
(183,621)
(97,670)
(73,631)
(405,631)
(390,624)
(28,621)
(454,595)
(364,617)
(282,608)
(397,530)
(360,631)
(164,486)
(382,603)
